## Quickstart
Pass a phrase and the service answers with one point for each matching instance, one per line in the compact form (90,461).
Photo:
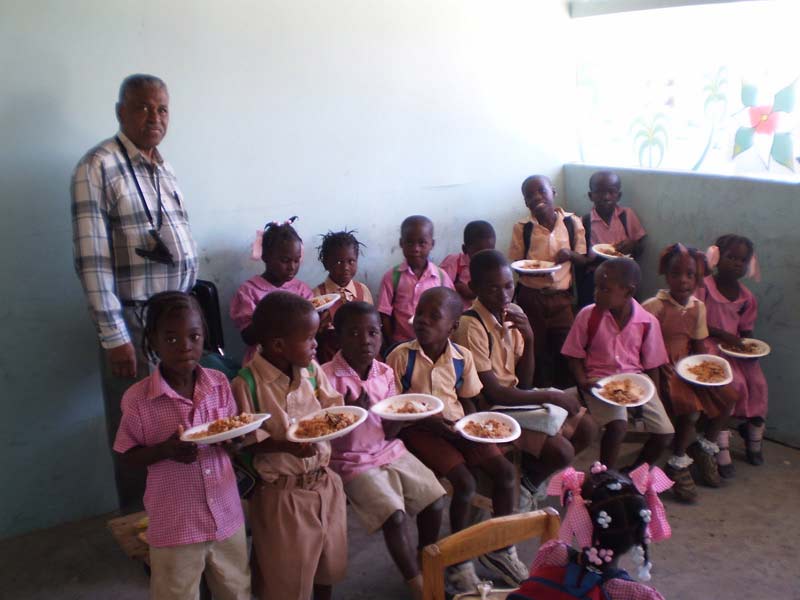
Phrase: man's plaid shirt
(109,223)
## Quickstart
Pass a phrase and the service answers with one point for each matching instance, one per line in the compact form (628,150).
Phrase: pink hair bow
(712,256)
(753,268)
(651,482)
(257,247)
(576,521)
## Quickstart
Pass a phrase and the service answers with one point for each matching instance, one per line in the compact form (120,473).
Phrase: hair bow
(577,520)
(650,483)
(257,247)
(753,268)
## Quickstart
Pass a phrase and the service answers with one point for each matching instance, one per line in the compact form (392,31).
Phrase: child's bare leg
(398,541)
(557,453)
(323,592)
(464,486)
(585,434)
(653,448)
(504,479)
(685,432)
(611,442)
(429,523)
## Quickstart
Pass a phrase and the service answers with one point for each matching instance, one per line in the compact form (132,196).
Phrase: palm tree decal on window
(649,138)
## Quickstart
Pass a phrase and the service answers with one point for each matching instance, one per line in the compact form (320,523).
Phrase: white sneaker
(461,579)
(506,564)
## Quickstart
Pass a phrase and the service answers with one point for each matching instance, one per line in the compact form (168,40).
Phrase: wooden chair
(480,539)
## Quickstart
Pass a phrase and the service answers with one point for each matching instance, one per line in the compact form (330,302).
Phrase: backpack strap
(312,377)
(247,375)
(623,218)
(395,279)
(527,231)
(405,380)
(587,227)
(474,314)
(570,225)
(594,324)
(441,275)
(458,367)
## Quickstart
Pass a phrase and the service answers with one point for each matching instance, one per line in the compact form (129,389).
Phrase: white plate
(605,250)
(643,381)
(431,403)
(519,267)
(764,349)
(330,300)
(356,410)
(225,435)
(480,417)
(690,361)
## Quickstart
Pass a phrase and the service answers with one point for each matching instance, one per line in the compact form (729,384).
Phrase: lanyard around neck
(159,214)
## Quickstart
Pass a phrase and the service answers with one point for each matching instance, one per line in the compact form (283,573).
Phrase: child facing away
(297,512)
(731,311)
(478,235)
(498,335)
(196,521)
(607,223)
(609,514)
(553,235)
(402,285)
(613,336)
(338,253)
(683,324)
(386,485)
(281,252)
(432,364)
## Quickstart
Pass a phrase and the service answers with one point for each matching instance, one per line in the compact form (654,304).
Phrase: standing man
(131,239)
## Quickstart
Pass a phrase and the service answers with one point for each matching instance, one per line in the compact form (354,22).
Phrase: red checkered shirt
(186,504)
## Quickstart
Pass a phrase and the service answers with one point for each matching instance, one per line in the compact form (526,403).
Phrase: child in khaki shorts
(297,513)
(385,484)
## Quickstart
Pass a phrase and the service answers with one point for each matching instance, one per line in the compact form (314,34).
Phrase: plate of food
(608,251)
(408,407)
(224,429)
(705,369)
(627,389)
(326,424)
(534,267)
(325,301)
(746,348)
(489,428)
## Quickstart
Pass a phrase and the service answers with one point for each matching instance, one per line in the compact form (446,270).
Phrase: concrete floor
(738,542)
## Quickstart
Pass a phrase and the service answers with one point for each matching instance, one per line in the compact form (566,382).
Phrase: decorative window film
(708,88)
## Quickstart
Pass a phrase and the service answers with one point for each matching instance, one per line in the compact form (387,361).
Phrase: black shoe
(754,457)
(727,471)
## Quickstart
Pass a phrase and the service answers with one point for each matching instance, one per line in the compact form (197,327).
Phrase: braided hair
(333,240)
(678,249)
(730,240)
(619,513)
(161,305)
(276,233)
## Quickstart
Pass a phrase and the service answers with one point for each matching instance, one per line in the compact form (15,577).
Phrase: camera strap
(159,215)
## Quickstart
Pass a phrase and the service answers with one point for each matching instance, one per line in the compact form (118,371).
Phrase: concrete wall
(349,113)
(696,209)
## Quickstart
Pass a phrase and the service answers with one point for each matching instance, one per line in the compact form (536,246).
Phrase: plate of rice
(224,429)
(608,251)
(326,424)
(534,267)
(325,301)
(705,369)
(408,407)
(746,348)
(626,389)
(488,428)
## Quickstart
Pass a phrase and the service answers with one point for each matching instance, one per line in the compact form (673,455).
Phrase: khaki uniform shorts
(176,570)
(403,485)
(653,414)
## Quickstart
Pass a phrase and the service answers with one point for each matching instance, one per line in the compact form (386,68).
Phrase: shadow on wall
(54,442)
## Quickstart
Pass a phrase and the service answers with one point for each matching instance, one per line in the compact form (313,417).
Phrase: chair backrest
(208,299)
(480,539)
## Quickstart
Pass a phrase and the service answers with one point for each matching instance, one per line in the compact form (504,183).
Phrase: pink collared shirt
(367,447)
(250,293)
(402,302)
(614,231)
(186,504)
(457,268)
(636,348)
(731,316)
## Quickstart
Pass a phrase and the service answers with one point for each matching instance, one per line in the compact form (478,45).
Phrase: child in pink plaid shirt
(196,520)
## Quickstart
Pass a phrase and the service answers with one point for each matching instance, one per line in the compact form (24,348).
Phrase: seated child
(731,312)
(607,223)
(431,364)
(622,514)
(402,285)
(683,324)
(196,522)
(281,251)
(478,235)
(297,512)
(616,335)
(553,235)
(498,335)
(385,484)
(338,253)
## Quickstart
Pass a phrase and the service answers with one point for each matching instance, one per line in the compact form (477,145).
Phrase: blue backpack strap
(458,367)
(405,380)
